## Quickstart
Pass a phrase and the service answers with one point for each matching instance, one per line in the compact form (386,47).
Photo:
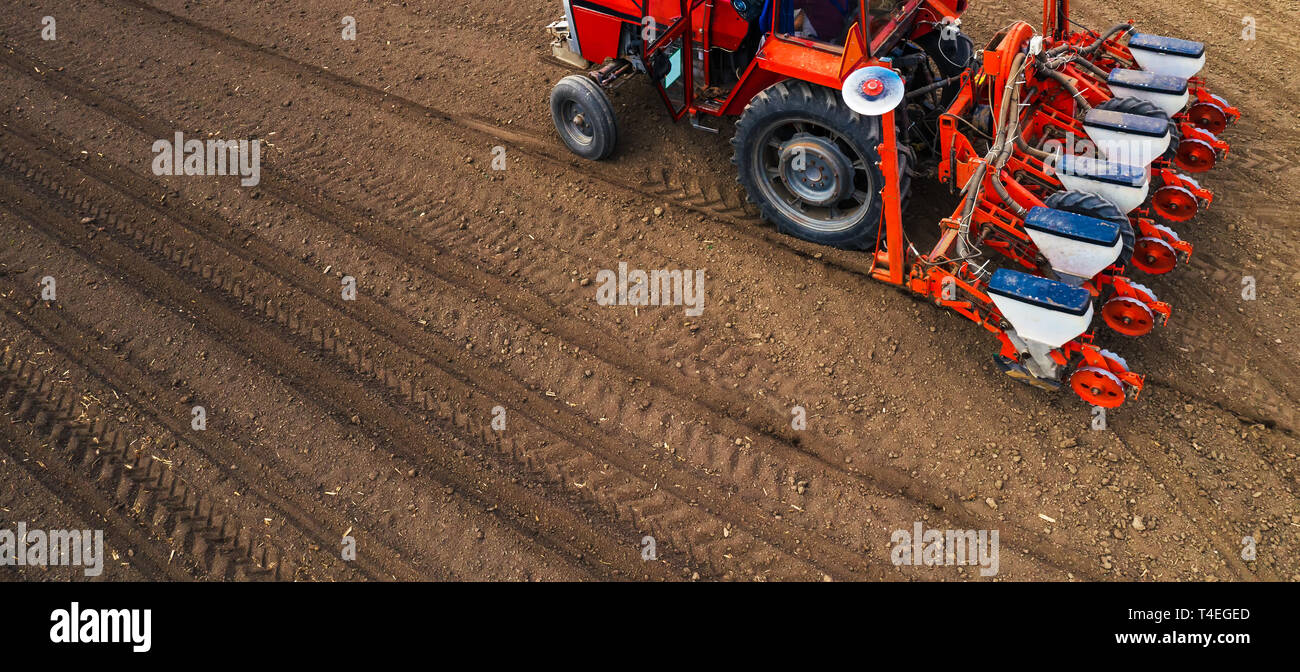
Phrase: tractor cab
(737,48)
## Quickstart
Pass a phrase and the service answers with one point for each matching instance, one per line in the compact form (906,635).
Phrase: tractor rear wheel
(584,117)
(1092,205)
(810,164)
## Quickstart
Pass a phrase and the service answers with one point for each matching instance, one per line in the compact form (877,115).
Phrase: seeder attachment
(1073,220)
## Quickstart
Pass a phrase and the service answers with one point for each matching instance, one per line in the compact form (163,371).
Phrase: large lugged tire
(584,117)
(1147,109)
(1092,205)
(810,164)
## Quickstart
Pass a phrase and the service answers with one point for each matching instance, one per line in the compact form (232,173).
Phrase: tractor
(1070,151)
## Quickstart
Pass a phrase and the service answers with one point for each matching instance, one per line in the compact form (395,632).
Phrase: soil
(370,421)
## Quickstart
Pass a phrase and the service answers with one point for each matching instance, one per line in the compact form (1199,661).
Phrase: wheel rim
(1209,116)
(813,175)
(1098,387)
(1128,316)
(576,123)
(1154,256)
(1195,156)
(1175,204)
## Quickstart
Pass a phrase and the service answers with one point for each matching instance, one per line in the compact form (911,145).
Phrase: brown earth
(371,418)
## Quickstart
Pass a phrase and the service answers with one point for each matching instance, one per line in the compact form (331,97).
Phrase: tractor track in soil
(492,491)
(91,466)
(935,501)
(486,278)
(224,278)
(117,369)
(1259,403)
(670,186)
(538,310)
(81,496)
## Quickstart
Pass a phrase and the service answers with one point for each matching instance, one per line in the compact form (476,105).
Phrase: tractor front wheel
(584,117)
(810,164)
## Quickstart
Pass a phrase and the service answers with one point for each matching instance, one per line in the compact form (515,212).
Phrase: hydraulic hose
(1116,29)
(1008,131)
(1033,151)
(1091,67)
(917,93)
(1008,123)
(1046,70)
(1092,48)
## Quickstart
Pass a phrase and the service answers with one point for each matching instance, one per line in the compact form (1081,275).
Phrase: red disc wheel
(1209,116)
(1195,156)
(1154,256)
(1175,204)
(1128,316)
(1098,387)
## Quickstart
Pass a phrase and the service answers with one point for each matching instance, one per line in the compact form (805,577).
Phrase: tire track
(79,495)
(95,469)
(148,397)
(684,192)
(392,374)
(1181,488)
(666,181)
(691,194)
(394,426)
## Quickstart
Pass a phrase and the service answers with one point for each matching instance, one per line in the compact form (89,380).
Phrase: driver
(821,19)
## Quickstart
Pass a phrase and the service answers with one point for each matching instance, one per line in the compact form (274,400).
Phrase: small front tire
(584,117)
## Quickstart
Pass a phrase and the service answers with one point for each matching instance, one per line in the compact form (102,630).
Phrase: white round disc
(861,98)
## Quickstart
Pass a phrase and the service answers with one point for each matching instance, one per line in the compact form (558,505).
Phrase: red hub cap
(1209,116)
(1154,256)
(873,87)
(1195,156)
(1175,204)
(1098,387)
(1128,316)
